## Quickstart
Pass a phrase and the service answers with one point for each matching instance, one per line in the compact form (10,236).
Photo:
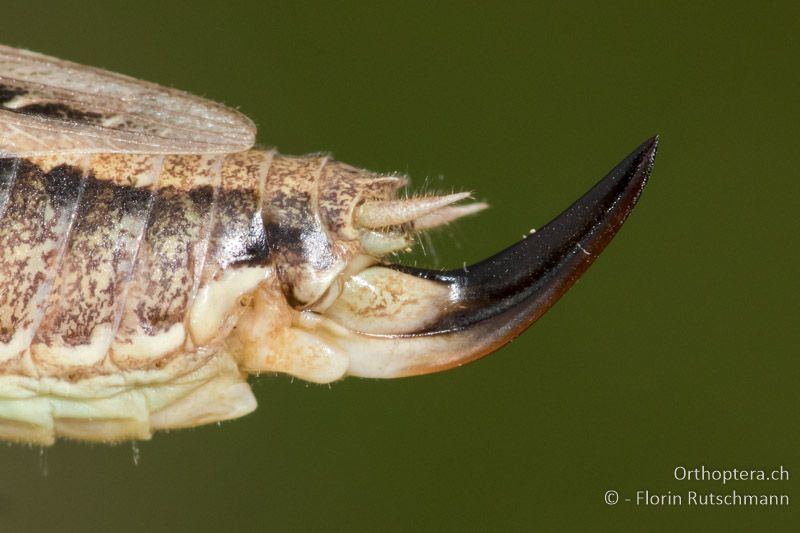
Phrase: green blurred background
(679,347)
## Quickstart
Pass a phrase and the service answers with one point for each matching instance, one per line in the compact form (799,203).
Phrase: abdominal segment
(41,196)
(102,258)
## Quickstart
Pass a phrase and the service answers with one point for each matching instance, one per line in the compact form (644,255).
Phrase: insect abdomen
(103,256)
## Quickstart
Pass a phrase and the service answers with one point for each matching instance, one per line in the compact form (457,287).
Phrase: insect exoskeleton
(152,259)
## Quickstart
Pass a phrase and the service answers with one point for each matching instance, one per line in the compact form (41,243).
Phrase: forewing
(49,105)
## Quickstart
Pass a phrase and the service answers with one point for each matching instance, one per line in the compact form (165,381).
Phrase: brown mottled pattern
(171,257)
(290,190)
(133,170)
(33,229)
(189,172)
(342,187)
(99,256)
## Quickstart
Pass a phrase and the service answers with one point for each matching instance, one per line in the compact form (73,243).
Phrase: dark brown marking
(8,93)
(239,236)
(63,185)
(59,111)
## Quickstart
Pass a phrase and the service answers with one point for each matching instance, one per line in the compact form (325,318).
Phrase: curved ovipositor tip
(493,301)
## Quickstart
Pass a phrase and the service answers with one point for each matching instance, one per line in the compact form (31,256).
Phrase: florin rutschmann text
(754,496)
